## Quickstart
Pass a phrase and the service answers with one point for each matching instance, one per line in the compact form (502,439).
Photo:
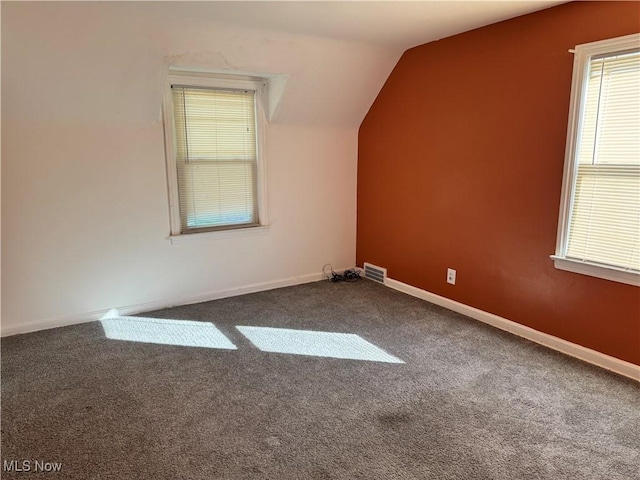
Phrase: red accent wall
(460,165)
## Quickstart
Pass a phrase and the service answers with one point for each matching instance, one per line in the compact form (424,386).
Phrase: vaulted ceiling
(397,24)
(107,62)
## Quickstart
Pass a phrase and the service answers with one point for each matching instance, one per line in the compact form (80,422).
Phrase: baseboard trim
(74,319)
(594,357)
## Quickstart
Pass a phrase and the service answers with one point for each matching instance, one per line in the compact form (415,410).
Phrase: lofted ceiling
(334,55)
(396,24)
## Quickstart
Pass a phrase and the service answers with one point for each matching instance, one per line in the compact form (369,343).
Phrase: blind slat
(216,156)
(605,217)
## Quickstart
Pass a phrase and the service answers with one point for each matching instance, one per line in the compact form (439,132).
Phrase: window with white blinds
(214,151)
(600,217)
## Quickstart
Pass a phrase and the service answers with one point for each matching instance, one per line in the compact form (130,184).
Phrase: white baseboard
(586,354)
(65,320)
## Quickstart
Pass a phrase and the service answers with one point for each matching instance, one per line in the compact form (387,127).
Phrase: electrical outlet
(451,276)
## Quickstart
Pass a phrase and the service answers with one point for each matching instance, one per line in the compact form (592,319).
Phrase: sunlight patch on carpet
(111,314)
(184,333)
(317,344)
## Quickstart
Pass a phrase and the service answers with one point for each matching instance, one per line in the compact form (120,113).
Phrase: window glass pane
(605,215)
(216,156)
(611,116)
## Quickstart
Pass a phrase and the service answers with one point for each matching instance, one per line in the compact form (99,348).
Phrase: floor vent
(372,272)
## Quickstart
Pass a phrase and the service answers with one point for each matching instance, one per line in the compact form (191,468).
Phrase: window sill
(595,270)
(232,233)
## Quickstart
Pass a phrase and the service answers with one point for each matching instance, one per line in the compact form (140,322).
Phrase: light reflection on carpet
(318,344)
(184,333)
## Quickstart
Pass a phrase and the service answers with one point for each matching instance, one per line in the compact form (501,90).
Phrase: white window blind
(604,225)
(216,157)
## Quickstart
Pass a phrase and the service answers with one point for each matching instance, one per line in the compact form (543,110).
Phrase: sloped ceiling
(397,24)
(107,61)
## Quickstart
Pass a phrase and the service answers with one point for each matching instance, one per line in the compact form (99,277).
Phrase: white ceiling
(335,55)
(397,24)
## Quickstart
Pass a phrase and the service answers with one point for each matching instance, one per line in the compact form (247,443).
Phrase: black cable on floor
(350,275)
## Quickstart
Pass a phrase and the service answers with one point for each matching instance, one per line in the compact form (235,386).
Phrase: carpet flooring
(469,401)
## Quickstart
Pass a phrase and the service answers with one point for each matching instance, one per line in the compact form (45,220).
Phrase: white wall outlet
(451,276)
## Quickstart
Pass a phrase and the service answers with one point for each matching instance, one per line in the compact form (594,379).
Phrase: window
(599,225)
(213,131)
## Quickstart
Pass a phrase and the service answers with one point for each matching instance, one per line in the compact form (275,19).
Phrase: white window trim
(211,80)
(583,54)
(230,233)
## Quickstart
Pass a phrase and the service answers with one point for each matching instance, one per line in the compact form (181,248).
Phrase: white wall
(84,196)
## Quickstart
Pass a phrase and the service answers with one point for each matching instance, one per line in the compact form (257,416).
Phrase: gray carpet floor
(470,401)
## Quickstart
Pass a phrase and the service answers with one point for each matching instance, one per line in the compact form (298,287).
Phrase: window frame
(583,54)
(190,78)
